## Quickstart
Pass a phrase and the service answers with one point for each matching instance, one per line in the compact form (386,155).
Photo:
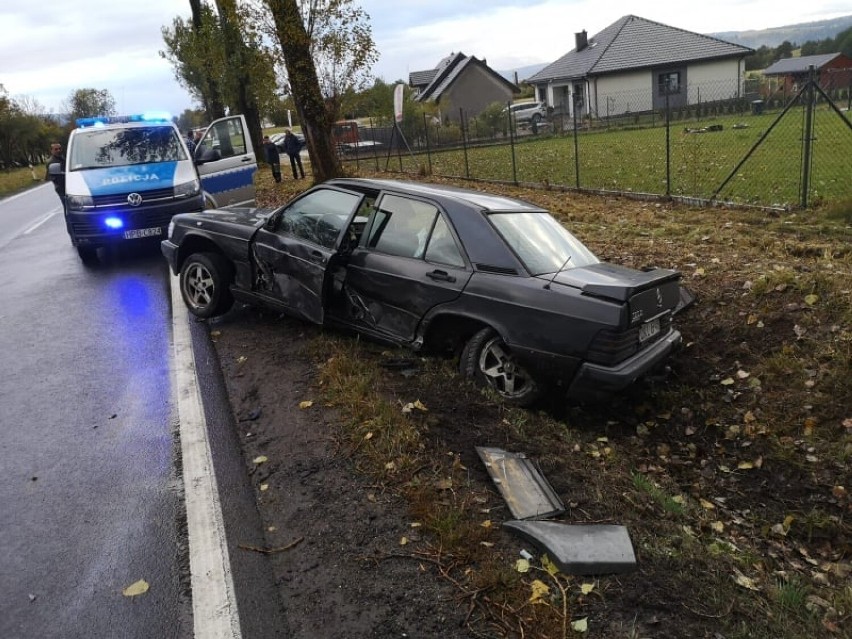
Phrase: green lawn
(16,180)
(634,160)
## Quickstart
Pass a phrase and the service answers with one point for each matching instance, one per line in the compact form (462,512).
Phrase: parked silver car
(528,112)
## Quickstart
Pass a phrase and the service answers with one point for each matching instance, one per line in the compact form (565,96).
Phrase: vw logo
(134,199)
(659,299)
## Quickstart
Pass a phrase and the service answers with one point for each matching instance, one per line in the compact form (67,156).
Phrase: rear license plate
(648,330)
(137,233)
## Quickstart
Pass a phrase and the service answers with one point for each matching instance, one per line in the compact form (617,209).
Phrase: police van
(126,176)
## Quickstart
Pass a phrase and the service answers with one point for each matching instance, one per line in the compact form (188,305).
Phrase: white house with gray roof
(635,65)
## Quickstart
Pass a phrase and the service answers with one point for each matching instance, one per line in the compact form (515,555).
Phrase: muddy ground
(723,515)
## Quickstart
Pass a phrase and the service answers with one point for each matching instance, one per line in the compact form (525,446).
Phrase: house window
(668,83)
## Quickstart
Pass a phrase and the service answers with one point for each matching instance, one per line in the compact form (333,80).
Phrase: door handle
(318,257)
(441,275)
(246,159)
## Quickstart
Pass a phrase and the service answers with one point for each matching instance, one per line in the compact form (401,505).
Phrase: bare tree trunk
(211,95)
(304,85)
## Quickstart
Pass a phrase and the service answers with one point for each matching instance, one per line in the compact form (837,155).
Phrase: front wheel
(487,360)
(88,254)
(536,118)
(205,280)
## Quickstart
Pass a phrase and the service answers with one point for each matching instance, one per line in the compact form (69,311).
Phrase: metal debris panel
(521,484)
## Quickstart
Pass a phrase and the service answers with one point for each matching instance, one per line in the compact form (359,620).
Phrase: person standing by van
(58,179)
(272,157)
(293,148)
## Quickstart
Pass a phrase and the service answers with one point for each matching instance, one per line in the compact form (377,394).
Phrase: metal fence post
(808,136)
(512,141)
(668,145)
(576,145)
(464,143)
(426,137)
(375,149)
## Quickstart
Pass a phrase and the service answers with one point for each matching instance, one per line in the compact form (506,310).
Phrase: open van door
(226,163)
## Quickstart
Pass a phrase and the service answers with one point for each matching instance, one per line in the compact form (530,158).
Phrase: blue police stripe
(229,180)
(129,179)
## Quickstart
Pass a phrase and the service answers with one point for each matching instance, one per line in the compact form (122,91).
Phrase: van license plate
(648,330)
(137,233)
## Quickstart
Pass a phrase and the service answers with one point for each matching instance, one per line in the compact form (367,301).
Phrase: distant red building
(833,72)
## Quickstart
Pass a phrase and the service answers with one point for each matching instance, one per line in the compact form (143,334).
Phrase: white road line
(214,605)
(44,219)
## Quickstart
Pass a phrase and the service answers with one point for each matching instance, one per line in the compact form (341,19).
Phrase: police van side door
(226,163)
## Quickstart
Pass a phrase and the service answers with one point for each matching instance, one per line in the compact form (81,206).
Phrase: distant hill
(794,33)
(523,72)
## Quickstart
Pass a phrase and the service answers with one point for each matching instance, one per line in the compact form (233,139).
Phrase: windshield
(100,148)
(541,243)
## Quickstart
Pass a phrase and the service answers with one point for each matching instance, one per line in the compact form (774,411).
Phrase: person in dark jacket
(272,157)
(293,148)
(58,180)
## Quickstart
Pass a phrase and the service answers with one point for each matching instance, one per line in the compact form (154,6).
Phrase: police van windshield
(100,148)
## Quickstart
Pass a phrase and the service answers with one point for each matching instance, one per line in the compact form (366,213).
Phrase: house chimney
(582,40)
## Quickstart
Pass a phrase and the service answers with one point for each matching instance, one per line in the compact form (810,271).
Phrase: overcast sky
(51,48)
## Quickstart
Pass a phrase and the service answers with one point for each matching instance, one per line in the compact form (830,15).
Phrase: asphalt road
(91,499)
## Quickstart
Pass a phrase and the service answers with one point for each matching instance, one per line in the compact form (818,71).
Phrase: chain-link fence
(705,143)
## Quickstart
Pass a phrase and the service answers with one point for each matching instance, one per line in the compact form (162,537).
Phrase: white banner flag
(397,102)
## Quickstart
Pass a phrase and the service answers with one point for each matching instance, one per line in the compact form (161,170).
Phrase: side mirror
(55,169)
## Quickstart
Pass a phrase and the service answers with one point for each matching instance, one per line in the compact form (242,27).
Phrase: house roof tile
(799,65)
(634,43)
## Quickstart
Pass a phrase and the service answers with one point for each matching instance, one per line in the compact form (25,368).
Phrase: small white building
(637,65)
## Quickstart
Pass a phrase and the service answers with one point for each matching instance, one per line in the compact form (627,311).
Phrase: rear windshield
(99,148)
(541,243)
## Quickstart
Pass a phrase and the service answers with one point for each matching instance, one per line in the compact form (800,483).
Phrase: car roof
(467,210)
(480,200)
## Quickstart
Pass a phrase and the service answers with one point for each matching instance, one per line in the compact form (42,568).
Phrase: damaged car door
(407,262)
(295,250)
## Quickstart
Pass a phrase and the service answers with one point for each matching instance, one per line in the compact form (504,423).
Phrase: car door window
(319,216)
(401,226)
(442,246)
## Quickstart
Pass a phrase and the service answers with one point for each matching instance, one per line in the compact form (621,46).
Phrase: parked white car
(528,112)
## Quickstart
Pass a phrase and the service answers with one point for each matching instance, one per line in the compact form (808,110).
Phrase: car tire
(486,359)
(88,254)
(536,118)
(205,280)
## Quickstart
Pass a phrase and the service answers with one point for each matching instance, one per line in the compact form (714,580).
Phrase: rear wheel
(536,118)
(205,280)
(487,360)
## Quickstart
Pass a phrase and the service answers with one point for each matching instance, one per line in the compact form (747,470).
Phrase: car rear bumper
(597,379)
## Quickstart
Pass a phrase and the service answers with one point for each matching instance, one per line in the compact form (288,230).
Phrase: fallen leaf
(486,524)
(390,466)
(549,566)
(581,625)
(260,460)
(718,526)
(487,544)
(135,589)
(215,333)
(444,484)
(403,541)
(839,492)
(539,590)
(522,565)
(811,299)
(745,465)
(810,423)
(745,582)
(420,406)
(743,374)
(368,435)
(706,504)
(727,381)
(306,404)
(264,487)
(241,359)
(587,588)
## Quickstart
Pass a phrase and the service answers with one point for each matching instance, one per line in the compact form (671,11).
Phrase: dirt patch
(731,474)
(333,538)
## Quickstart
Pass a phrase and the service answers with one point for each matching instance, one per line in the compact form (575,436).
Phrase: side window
(226,139)
(401,226)
(442,246)
(319,216)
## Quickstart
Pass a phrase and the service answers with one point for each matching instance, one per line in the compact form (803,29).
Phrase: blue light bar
(103,120)
(114,222)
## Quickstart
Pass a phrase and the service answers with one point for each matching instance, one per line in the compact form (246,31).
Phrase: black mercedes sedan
(497,281)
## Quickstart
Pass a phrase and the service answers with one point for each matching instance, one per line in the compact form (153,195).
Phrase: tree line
(765,56)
